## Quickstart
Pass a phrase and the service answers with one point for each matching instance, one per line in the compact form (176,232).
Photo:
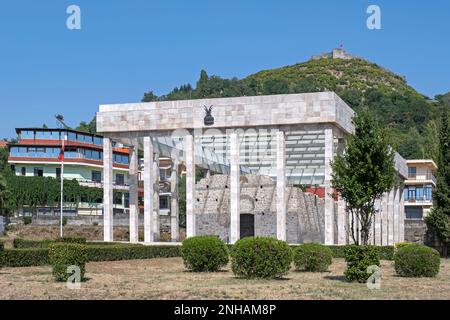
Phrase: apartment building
(37,154)
(419,188)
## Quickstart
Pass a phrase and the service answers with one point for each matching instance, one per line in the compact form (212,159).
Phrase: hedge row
(39,256)
(385,252)
(20,243)
(24,257)
(35,253)
(130,252)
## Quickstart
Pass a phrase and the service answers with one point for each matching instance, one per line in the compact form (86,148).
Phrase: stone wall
(120,220)
(305,211)
(415,231)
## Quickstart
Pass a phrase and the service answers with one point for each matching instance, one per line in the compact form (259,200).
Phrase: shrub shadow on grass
(337,278)
(267,279)
(311,272)
(207,272)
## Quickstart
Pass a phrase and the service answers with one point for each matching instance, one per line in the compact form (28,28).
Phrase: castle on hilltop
(338,53)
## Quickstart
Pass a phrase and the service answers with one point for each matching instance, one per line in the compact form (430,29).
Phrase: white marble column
(235,189)
(391,218)
(174,210)
(190,185)
(396,215)
(281,186)
(134,202)
(108,216)
(342,232)
(377,222)
(148,190)
(384,219)
(329,202)
(402,216)
(156,211)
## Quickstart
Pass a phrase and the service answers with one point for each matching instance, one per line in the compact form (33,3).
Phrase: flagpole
(62,187)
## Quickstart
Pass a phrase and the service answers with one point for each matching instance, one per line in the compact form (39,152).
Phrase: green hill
(406,113)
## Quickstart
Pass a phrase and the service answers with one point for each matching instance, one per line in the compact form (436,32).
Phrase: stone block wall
(305,211)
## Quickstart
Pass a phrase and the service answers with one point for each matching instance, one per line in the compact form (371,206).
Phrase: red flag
(61,154)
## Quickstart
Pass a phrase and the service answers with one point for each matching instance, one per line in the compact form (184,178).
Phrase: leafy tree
(4,194)
(90,127)
(430,145)
(439,219)
(149,97)
(363,173)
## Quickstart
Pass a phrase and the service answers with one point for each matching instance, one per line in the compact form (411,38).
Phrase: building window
(120,179)
(429,192)
(24,171)
(164,203)
(412,171)
(38,172)
(58,172)
(96,176)
(411,193)
(127,200)
(413,212)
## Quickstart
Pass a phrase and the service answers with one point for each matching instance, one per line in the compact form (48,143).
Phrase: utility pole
(60,120)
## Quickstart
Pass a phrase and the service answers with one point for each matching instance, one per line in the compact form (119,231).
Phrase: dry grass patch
(167,279)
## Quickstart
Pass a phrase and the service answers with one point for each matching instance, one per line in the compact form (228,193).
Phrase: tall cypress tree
(439,219)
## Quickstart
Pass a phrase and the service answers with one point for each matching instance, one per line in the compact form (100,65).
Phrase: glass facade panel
(71,136)
(27,134)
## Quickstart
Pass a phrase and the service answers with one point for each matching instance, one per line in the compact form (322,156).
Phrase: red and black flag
(61,154)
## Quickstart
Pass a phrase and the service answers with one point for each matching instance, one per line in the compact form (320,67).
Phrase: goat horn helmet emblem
(209,119)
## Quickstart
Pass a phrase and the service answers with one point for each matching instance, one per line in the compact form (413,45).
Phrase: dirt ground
(167,279)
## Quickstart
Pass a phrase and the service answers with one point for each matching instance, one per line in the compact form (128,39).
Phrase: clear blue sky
(127,47)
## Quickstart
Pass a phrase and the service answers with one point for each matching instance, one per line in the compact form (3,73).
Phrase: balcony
(98,184)
(414,179)
(419,201)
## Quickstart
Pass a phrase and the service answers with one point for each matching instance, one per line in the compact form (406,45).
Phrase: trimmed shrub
(20,243)
(386,252)
(2,246)
(79,240)
(24,257)
(261,257)
(415,260)
(337,251)
(204,254)
(27,220)
(399,245)
(95,252)
(115,252)
(313,257)
(358,259)
(63,255)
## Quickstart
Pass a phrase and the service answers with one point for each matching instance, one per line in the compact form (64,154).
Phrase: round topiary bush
(64,255)
(415,260)
(204,254)
(313,257)
(358,259)
(261,257)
